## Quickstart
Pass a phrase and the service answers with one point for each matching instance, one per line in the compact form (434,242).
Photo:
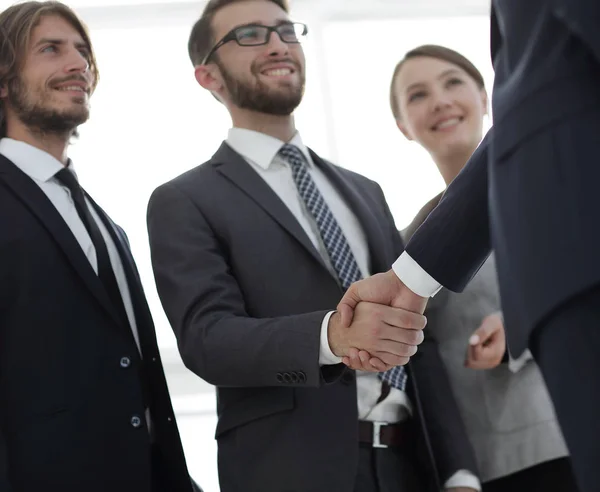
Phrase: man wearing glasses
(252,249)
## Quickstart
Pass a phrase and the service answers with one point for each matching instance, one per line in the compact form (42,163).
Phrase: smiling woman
(438,99)
(358,79)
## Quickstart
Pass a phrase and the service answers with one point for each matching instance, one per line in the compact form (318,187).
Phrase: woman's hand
(487,344)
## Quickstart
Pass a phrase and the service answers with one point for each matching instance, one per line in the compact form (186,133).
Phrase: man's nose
(275,45)
(77,62)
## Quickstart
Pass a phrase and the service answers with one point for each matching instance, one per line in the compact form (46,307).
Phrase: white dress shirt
(41,167)
(261,152)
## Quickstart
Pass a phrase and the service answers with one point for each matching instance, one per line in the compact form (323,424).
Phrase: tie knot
(293,155)
(67,178)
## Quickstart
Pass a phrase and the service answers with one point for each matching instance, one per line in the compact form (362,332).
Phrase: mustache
(71,78)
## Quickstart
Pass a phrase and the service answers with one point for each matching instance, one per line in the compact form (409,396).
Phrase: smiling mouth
(449,123)
(71,88)
(278,72)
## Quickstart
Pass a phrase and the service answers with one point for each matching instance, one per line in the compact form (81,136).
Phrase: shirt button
(125,362)
(136,422)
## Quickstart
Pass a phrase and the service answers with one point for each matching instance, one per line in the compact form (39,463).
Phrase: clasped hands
(379,324)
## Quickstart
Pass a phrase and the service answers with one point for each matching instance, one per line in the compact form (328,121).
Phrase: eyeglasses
(256,35)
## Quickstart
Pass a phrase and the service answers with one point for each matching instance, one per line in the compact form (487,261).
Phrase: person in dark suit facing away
(530,192)
(84,404)
(251,252)
(438,100)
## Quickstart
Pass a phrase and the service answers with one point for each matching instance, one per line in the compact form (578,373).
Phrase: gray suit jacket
(509,416)
(246,292)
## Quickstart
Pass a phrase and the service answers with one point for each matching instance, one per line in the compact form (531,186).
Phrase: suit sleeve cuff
(326,356)
(414,277)
(463,478)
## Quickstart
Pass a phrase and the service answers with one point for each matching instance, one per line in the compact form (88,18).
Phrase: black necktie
(105,270)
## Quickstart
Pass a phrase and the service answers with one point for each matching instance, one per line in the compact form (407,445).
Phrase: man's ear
(209,77)
(403,129)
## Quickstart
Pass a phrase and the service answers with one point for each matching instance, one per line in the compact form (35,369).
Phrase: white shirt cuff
(515,365)
(414,277)
(463,478)
(326,356)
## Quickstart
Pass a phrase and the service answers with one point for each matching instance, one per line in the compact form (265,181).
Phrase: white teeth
(71,88)
(448,123)
(278,72)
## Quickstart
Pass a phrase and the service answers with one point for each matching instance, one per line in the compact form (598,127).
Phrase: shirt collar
(261,148)
(34,162)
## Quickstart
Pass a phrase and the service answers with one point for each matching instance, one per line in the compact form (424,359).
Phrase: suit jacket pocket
(261,403)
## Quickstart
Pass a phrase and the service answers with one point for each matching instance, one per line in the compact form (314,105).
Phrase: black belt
(384,435)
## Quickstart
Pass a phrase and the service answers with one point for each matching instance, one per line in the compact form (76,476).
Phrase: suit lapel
(231,165)
(359,203)
(25,190)
(140,306)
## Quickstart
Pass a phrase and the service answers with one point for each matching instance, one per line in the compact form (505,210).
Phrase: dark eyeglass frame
(233,36)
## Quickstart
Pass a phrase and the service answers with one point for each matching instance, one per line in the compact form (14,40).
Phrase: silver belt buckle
(377,435)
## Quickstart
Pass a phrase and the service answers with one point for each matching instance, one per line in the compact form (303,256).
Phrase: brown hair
(16,25)
(202,36)
(441,53)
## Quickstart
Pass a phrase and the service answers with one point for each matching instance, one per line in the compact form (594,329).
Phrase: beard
(38,115)
(258,96)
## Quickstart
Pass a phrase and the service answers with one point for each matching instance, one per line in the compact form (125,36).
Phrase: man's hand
(361,360)
(487,344)
(390,334)
(382,288)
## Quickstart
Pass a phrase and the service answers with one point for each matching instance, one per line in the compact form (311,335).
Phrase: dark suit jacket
(66,398)
(246,292)
(533,180)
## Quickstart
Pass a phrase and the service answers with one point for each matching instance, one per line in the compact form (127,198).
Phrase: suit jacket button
(287,377)
(279,377)
(294,376)
(301,377)
(125,362)
(136,422)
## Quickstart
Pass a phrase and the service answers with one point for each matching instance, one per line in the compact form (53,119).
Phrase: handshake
(379,324)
